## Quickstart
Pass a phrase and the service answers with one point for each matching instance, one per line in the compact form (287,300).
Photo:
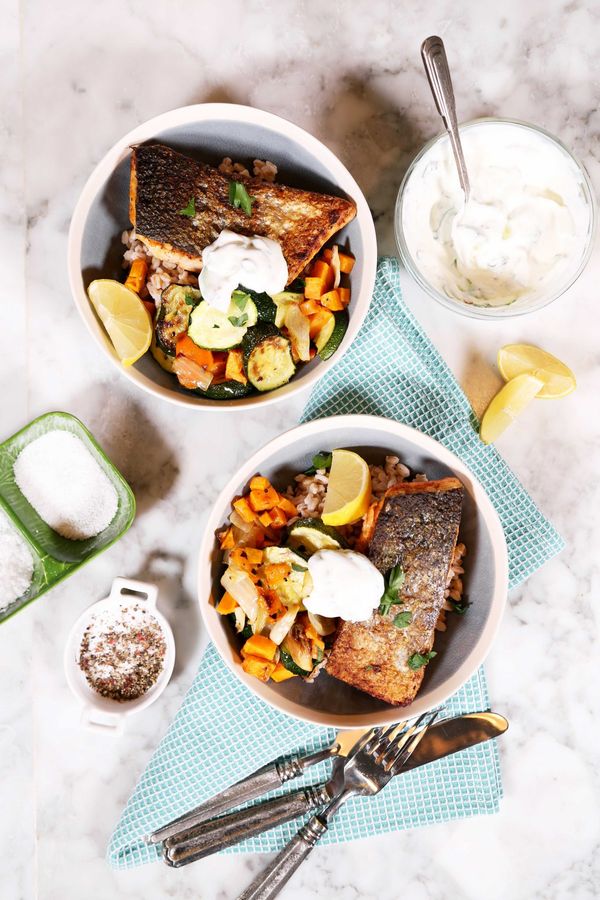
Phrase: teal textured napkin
(219,736)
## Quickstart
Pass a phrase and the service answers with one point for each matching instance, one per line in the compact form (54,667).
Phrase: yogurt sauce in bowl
(525,233)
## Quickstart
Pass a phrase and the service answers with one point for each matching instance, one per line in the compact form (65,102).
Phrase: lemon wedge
(349,489)
(507,404)
(517,359)
(124,317)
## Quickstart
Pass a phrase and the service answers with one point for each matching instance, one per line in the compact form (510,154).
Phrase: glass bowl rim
(494,312)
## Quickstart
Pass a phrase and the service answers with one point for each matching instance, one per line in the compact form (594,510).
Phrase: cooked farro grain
(265,170)
(160,272)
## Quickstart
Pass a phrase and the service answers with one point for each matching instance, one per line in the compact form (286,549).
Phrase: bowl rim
(384,426)
(491,312)
(204,112)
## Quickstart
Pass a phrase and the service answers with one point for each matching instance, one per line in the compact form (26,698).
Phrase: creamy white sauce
(523,230)
(345,584)
(255,262)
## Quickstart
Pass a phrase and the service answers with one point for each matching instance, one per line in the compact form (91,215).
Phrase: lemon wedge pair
(124,317)
(529,372)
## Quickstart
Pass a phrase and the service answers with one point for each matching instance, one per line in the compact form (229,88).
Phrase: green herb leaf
(460,606)
(240,198)
(238,321)
(298,568)
(418,660)
(391,595)
(321,460)
(320,655)
(403,619)
(240,299)
(190,209)
(189,299)
(297,286)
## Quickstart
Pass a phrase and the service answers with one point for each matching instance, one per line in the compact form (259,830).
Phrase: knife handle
(271,880)
(264,780)
(209,837)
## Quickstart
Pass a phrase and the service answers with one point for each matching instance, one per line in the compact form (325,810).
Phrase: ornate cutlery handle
(267,779)
(271,880)
(209,837)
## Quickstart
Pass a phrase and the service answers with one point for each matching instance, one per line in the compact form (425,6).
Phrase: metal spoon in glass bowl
(435,61)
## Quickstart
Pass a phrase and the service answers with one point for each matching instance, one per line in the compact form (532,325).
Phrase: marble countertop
(76,76)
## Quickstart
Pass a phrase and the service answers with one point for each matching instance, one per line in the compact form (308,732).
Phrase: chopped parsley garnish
(391,596)
(240,198)
(190,209)
(240,299)
(298,568)
(321,460)
(403,619)
(460,606)
(189,299)
(238,321)
(418,660)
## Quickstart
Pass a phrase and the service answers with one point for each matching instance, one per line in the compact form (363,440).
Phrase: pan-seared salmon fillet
(416,527)
(163,182)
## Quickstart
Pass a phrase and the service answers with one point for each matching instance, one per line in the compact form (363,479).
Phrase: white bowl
(213,130)
(461,649)
(102,713)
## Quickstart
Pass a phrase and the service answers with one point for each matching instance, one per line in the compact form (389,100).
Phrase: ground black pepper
(122,652)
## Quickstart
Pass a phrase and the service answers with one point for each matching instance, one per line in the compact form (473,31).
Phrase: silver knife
(442,739)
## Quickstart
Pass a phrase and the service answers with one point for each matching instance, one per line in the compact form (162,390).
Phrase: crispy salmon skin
(163,182)
(416,527)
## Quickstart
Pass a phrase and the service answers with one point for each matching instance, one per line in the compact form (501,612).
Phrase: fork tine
(384,738)
(363,741)
(407,749)
(398,742)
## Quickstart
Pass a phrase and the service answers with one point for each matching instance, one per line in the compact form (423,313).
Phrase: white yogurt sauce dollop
(233,259)
(345,584)
(522,231)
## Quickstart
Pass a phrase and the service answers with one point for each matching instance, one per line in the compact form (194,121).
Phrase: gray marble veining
(76,77)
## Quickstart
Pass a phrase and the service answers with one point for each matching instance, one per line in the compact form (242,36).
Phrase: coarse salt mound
(65,485)
(16,563)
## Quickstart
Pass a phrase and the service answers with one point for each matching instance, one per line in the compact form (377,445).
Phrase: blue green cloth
(219,736)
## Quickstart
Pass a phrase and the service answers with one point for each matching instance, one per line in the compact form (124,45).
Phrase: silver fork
(374,762)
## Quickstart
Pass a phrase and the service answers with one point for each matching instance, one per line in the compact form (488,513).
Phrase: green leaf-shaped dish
(55,557)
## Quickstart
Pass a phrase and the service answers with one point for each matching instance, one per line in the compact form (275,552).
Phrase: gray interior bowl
(460,649)
(209,132)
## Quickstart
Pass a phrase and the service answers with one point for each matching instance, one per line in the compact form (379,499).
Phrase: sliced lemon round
(508,403)
(518,359)
(348,490)
(124,317)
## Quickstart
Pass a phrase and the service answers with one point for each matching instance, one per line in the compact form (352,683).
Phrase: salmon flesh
(163,183)
(416,528)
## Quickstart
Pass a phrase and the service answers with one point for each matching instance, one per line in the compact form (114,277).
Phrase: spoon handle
(435,61)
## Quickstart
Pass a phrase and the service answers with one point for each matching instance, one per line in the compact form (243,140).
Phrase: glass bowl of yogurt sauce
(525,234)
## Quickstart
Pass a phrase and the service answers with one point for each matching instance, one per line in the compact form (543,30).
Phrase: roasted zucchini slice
(176,304)
(330,337)
(165,360)
(267,357)
(267,310)
(311,535)
(215,330)
(226,390)
(296,651)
